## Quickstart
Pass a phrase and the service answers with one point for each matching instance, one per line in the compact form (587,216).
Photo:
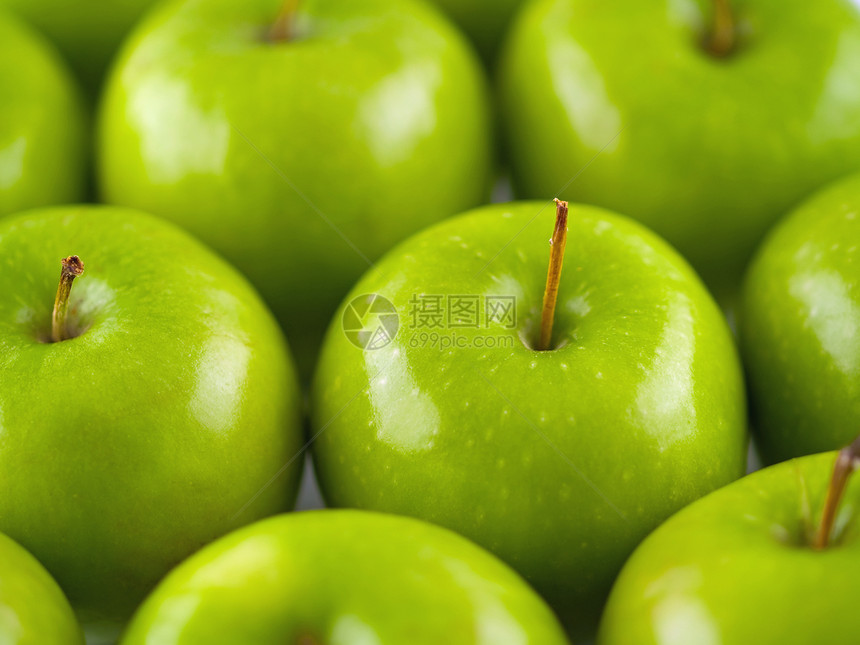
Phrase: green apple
(800,327)
(301,145)
(558,461)
(33,609)
(707,144)
(343,578)
(485,21)
(87,32)
(156,421)
(43,158)
(743,566)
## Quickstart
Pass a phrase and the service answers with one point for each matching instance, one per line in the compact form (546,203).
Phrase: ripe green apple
(740,567)
(714,149)
(151,429)
(33,609)
(300,145)
(87,32)
(485,21)
(343,578)
(558,461)
(800,327)
(43,156)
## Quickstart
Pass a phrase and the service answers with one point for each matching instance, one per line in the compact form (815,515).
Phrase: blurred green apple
(301,145)
(87,32)
(152,424)
(708,143)
(343,578)
(741,566)
(33,609)
(800,327)
(485,22)
(558,461)
(43,157)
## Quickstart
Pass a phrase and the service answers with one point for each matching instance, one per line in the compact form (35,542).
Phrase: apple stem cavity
(720,40)
(282,30)
(72,268)
(847,461)
(553,276)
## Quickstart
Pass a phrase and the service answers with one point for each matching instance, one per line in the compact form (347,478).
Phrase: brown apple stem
(720,41)
(553,276)
(847,461)
(72,268)
(282,29)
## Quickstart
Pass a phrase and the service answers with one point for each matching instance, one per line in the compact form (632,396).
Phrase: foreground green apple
(300,145)
(33,609)
(720,136)
(558,461)
(743,566)
(343,578)
(42,144)
(485,21)
(87,32)
(151,428)
(800,327)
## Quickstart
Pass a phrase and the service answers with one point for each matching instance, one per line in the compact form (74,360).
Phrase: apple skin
(799,327)
(87,32)
(299,161)
(343,578)
(33,609)
(485,22)
(43,157)
(713,151)
(736,568)
(133,444)
(645,399)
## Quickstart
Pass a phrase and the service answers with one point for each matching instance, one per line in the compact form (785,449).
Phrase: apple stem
(847,461)
(720,41)
(282,29)
(553,276)
(72,268)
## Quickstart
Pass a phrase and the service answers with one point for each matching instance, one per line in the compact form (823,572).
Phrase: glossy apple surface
(87,32)
(302,160)
(148,434)
(33,609)
(486,22)
(800,327)
(43,156)
(558,461)
(708,152)
(344,578)
(737,567)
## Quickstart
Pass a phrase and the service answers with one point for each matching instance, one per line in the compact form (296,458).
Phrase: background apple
(42,143)
(343,578)
(301,155)
(558,461)
(708,151)
(800,327)
(738,567)
(87,32)
(485,21)
(33,609)
(154,428)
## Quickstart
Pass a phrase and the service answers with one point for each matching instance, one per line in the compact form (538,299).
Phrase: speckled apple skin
(736,568)
(800,327)
(344,578)
(33,609)
(708,152)
(133,444)
(559,461)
